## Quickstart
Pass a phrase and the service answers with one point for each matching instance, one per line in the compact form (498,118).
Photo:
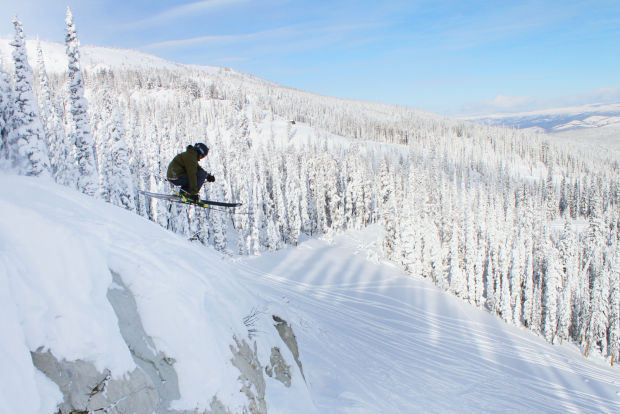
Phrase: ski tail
(220,203)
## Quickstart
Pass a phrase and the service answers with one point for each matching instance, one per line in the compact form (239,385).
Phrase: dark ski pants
(183,181)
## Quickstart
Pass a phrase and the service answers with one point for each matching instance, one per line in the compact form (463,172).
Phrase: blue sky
(445,56)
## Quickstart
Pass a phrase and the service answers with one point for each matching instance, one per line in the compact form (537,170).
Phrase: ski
(178,199)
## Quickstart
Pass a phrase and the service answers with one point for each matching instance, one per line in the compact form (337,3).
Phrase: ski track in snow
(406,339)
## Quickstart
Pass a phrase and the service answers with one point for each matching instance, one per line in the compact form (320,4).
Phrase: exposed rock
(253,382)
(148,389)
(279,367)
(155,364)
(154,384)
(287,335)
(87,390)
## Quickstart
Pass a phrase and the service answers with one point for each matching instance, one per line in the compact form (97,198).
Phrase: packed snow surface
(371,339)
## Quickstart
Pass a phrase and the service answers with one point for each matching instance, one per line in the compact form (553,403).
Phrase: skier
(185,172)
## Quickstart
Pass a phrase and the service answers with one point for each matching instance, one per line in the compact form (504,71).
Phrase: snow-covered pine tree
(388,210)
(410,238)
(80,131)
(7,109)
(456,276)
(293,198)
(218,221)
(489,281)
(281,218)
(515,276)
(61,159)
(471,251)
(255,211)
(305,205)
(505,310)
(552,281)
(564,312)
(599,314)
(116,184)
(334,195)
(569,263)
(614,307)
(27,145)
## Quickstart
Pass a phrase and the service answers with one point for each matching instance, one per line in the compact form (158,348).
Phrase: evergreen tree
(551,290)
(80,131)
(599,315)
(456,276)
(218,221)
(293,198)
(116,184)
(281,217)
(61,159)
(305,204)
(528,285)
(471,251)
(614,307)
(255,211)
(7,109)
(489,282)
(388,211)
(504,295)
(27,145)
(515,277)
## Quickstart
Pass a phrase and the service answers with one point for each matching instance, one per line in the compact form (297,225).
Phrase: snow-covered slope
(55,57)
(370,339)
(64,257)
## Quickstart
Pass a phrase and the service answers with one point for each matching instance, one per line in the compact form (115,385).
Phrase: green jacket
(186,163)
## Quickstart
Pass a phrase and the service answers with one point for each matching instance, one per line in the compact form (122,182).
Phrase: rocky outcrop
(153,384)
(278,367)
(87,390)
(245,358)
(147,389)
(157,366)
(288,336)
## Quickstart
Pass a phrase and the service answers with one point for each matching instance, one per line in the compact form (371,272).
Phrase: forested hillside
(500,218)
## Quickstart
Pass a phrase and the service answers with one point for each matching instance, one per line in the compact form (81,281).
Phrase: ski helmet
(202,149)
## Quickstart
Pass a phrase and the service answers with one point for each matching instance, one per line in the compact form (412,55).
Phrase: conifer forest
(504,219)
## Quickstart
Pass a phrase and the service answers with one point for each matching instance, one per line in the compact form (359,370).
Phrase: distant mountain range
(558,119)
(595,124)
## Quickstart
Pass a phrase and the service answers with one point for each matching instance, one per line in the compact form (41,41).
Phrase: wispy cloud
(184,10)
(281,37)
(217,39)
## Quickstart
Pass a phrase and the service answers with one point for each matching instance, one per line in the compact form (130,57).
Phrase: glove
(210,178)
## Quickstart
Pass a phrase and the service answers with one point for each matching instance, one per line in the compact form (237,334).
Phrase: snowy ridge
(92,57)
(371,339)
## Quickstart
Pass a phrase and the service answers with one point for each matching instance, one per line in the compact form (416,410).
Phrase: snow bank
(57,251)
